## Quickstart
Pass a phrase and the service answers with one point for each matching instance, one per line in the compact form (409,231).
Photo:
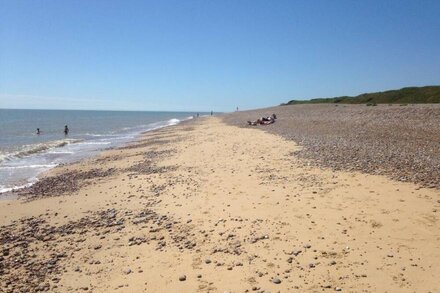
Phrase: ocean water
(24,154)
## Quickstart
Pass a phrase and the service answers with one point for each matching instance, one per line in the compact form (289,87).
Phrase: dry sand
(402,142)
(208,207)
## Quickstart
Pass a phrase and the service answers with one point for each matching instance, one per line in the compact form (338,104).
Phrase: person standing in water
(38,131)
(66,130)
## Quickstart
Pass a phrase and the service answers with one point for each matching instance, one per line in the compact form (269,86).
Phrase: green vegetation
(407,95)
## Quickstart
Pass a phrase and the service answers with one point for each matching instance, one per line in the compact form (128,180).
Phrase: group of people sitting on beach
(264,120)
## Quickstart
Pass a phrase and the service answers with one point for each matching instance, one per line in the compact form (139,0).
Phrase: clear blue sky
(203,55)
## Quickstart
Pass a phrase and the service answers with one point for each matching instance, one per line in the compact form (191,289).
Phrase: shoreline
(203,206)
(11,193)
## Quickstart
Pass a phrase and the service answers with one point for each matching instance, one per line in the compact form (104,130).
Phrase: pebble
(182,278)
(371,144)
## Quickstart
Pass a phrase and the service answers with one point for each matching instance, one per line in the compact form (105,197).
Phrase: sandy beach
(206,206)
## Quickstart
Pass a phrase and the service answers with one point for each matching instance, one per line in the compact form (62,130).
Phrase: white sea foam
(96,143)
(95,134)
(29,166)
(28,150)
(20,168)
(60,152)
(31,182)
(118,138)
(173,121)
(134,127)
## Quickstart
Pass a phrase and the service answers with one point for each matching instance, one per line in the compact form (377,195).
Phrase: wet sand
(207,207)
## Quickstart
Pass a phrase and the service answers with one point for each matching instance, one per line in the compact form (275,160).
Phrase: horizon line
(109,110)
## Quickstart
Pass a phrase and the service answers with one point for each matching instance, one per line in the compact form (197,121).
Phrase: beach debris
(21,264)
(63,183)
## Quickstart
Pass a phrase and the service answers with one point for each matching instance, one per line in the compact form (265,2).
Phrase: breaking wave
(20,167)
(28,150)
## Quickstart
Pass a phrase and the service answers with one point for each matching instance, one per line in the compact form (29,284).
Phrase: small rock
(182,278)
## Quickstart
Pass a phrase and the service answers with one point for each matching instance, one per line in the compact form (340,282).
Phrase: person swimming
(66,130)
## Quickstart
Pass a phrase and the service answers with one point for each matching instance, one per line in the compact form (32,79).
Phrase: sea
(24,154)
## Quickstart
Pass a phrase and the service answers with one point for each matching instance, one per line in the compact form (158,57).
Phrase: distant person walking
(236,109)
(212,113)
(66,130)
(197,115)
